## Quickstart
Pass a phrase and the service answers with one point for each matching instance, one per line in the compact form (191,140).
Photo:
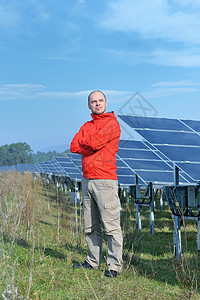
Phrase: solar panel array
(166,142)
(175,140)
(20,168)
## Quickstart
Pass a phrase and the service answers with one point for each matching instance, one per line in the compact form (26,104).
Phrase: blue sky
(53,53)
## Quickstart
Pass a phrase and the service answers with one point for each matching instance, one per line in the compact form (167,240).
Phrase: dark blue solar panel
(126,180)
(148,165)
(74,156)
(159,177)
(78,164)
(120,163)
(66,164)
(162,156)
(43,167)
(191,169)
(149,146)
(195,125)
(78,176)
(49,167)
(62,159)
(154,123)
(132,144)
(183,154)
(137,154)
(171,138)
(69,165)
(71,170)
(125,171)
(6,168)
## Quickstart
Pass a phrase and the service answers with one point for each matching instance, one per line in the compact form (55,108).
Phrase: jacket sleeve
(100,137)
(75,146)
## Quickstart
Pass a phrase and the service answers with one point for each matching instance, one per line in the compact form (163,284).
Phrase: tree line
(21,153)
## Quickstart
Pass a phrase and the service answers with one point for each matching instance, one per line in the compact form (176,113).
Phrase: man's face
(97,103)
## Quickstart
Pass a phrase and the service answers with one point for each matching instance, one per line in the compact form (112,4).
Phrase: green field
(42,236)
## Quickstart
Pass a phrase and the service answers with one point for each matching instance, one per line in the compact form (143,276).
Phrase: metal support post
(65,188)
(127,196)
(176,175)
(177,237)
(161,201)
(198,222)
(136,179)
(76,213)
(138,218)
(152,207)
(198,235)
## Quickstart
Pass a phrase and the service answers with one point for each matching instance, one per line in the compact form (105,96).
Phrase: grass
(40,241)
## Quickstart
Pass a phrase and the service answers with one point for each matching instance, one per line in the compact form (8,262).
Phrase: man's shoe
(84,265)
(111,273)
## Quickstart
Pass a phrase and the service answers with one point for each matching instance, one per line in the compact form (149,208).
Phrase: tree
(16,153)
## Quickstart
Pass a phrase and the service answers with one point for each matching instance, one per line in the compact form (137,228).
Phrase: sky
(144,55)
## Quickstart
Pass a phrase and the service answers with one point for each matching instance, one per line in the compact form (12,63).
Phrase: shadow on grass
(76,248)
(54,253)
(46,223)
(22,242)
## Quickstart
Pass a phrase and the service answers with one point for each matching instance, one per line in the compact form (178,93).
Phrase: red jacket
(97,141)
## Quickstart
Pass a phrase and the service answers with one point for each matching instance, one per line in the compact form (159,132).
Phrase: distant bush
(42,156)
(16,153)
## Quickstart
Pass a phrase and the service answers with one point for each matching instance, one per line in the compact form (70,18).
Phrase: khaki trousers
(101,202)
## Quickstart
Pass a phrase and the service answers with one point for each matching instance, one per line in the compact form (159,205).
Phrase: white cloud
(171,88)
(112,96)
(44,16)
(157,19)
(167,92)
(19,91)
(178,83)
(37,91)
(174,58)
(178,58)
(9,18)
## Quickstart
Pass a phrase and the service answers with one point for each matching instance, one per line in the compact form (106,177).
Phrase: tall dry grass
(18,196)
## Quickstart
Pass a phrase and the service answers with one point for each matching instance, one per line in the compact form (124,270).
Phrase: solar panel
(171,138)
(49,167)
(131,144)
(177,141)
(69,167)
(158,177)
(6,168)
(136,154)
(193,169)
(154,123)
(25,167)
(194,125)
(150,165)
(182,154)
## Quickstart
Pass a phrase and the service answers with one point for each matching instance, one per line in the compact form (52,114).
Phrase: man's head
(97,102)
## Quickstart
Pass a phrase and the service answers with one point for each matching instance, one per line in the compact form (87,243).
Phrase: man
(97,141)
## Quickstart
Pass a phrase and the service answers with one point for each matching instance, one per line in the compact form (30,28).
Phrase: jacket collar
(104,115)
